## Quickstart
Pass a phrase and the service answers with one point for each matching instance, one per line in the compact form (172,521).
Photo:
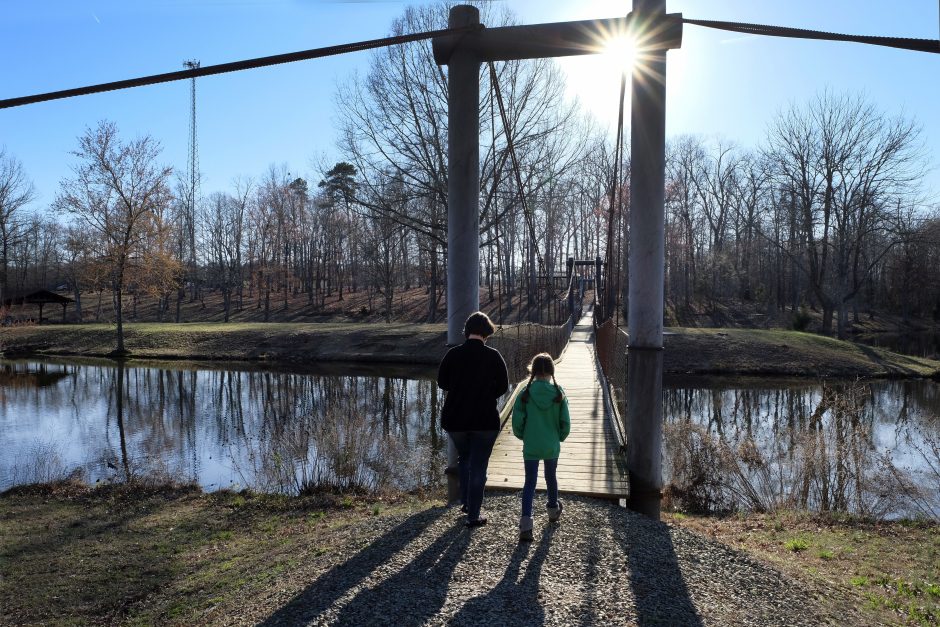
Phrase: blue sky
(720,83)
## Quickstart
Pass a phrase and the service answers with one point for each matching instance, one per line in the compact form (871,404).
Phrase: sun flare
(619,53)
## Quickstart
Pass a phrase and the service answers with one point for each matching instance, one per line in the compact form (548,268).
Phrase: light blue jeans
(532,476)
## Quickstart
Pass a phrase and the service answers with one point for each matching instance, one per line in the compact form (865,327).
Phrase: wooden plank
(590,462)
(612,487)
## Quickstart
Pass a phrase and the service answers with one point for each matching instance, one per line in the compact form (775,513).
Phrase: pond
(870,447)
(223,427)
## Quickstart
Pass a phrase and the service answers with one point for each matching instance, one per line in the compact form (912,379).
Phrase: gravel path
(602,565)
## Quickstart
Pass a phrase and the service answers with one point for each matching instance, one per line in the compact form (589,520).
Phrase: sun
(594,79)
(619,54)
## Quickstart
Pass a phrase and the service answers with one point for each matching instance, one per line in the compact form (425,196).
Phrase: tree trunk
(78,303)
(180,293)
(119,313)
(432,289)
(827,318)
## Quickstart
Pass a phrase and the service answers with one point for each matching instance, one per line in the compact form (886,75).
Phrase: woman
(474,377)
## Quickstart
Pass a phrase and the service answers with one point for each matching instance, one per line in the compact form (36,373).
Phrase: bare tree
(847,167)
(16,191)
(118,190)
(394,123)
(224,218)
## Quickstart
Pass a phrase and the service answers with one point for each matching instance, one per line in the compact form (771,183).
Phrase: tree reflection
(833,447)
(263,429)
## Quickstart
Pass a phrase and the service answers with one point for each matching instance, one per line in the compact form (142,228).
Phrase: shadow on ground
(514,600)
(421,576)
(660,594)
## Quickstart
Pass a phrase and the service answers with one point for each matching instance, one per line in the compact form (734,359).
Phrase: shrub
(801,320)
(796,545)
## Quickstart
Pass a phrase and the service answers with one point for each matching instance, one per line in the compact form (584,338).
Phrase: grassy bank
(276,342)
(122,555)
(688,351)
(777,352)
(889,571)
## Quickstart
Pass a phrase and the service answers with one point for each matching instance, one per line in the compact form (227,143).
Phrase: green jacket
(541,423)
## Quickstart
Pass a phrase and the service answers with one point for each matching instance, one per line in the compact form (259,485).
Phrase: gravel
(601,565)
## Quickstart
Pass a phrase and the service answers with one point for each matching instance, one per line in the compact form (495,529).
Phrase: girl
(540,419)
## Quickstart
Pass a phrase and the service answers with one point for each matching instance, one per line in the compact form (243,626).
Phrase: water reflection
(917,343)
(871,448)
(221,427)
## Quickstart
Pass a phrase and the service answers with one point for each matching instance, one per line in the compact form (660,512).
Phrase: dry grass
(131,555)
(888,571)
(784,353)
(174,555)
(688,351)
(281,342)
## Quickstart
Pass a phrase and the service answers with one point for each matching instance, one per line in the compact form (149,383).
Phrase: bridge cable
(236,66)
(518,175)
(615,184)
(496,176)
(904,43)
(620,188)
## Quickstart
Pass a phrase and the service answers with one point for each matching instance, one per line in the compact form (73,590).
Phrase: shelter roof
(39,297)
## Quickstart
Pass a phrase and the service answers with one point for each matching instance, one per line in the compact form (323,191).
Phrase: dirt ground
(70,554)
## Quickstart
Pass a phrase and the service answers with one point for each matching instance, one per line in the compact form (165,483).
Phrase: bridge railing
(519,343)
(611,342)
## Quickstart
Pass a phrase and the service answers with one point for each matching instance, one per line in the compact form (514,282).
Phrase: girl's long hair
(542,365)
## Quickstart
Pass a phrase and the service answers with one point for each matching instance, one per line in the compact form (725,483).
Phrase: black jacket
(474,376)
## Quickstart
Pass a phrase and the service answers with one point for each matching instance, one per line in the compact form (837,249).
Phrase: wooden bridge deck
(590,463)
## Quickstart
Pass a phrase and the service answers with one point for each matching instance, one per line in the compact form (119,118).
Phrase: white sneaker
(525,529)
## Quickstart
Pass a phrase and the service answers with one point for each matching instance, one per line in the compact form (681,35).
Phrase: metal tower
(192,171)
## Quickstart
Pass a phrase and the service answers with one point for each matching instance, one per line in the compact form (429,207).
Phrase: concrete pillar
(463,173)
(646,272)
(463,198)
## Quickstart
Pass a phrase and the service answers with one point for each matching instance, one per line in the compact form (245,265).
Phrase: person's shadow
(513,601)
(416,592)
(659,589)
(336,582)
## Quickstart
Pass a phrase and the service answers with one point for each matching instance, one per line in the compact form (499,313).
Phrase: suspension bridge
(592,461)
(463,47)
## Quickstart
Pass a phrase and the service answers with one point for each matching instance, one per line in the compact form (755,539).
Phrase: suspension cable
(496,176)
(615,184)
(236,66)
(904,43)
(510,146)
(620,186)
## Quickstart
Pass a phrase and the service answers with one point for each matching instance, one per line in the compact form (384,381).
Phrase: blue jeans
(473,456)
(532,476)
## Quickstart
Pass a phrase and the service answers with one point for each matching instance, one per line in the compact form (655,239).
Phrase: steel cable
(236,66)
(904,43)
